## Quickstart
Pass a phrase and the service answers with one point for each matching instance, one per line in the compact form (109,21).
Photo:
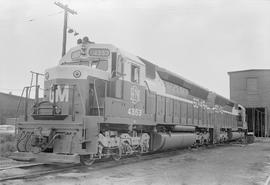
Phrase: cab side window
(119,66)
(135,74)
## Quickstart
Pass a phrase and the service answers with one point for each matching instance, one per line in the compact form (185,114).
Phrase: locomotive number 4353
(134,112)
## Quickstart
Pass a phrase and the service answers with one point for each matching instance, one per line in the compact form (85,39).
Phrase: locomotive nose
(77,72)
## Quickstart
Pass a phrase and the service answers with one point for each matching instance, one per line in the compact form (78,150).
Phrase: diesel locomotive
(101,101)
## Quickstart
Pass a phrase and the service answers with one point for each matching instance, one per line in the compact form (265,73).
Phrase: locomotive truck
(101,101)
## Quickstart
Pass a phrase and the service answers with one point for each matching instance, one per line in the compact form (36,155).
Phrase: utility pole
(67,10)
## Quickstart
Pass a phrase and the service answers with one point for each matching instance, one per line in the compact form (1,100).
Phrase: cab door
(134,91)
(116,84)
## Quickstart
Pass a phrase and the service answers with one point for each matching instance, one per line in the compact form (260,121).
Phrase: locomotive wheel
(87,160)
(117,154)
(140,150)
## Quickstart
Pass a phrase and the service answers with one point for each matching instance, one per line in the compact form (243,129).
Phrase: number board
(99,52)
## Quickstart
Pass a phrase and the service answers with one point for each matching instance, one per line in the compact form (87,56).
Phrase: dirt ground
(234,164)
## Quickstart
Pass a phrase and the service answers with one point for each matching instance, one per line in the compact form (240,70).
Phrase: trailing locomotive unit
(103,102)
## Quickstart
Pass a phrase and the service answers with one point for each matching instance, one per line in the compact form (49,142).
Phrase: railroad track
(20,165)
(33,171)
(43,169)
(46,169)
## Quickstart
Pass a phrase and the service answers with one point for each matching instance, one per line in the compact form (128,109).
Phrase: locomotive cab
(88,75)
(92,69)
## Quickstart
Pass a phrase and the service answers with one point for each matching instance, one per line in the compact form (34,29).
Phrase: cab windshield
(95,64)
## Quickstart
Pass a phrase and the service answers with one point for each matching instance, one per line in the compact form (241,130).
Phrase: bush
(7,144)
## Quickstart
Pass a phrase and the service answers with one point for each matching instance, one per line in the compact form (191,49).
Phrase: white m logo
(61,94)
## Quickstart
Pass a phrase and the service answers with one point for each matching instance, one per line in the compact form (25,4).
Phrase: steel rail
(108,163)
(38,173)
(20,166)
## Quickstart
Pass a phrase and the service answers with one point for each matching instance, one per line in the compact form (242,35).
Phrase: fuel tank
(165,141)
(180,128)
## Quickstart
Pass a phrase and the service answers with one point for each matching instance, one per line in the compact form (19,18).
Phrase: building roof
(10,95)
(6,95)
(248,70)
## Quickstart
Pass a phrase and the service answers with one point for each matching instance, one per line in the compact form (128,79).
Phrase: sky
(200,40)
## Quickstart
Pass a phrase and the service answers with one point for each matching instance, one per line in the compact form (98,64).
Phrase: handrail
(147,85)
(72,104)
(31,83)
(26,105)
(20,100)
(96,96)
(18,106)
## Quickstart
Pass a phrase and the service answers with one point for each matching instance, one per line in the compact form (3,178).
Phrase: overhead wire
(48,15)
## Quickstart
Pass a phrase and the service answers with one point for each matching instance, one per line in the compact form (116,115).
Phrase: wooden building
(9,105)
(251,88)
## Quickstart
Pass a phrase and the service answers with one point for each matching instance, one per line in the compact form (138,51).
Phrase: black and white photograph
(134,92)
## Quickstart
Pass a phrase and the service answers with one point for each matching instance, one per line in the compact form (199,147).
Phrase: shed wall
(251,88)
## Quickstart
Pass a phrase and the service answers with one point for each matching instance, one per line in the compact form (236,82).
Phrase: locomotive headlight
(77,74)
